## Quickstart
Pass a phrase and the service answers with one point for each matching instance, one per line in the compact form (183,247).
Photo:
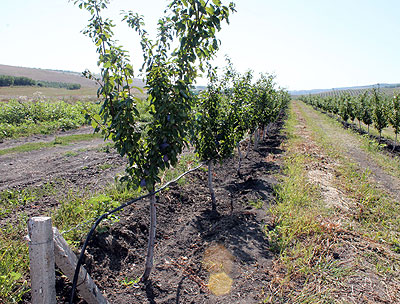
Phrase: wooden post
(66,260)
(41,256)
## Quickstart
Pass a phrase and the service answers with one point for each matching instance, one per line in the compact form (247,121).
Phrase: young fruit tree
(242,98)
(346,107)
(395,116)
(367,109)
(265,101)
(213,128)
(359,107)
(169,74)
(379,115)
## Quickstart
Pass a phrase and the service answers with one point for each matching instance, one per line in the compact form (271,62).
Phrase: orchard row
(370,107)
(213,121)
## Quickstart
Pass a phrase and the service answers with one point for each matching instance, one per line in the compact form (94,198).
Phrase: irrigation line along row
(92,219)
(103,216)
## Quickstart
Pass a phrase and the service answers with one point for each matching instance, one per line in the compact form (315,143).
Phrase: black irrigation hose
(100,218)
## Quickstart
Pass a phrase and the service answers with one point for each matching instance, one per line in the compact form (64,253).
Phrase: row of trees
(370,107)
(8,81)
(232,106)
(214,121)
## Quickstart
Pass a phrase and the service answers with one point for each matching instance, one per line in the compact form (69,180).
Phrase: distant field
(47,75)
(27,92)
(54,76)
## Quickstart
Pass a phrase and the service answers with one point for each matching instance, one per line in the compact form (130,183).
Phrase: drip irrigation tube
(103,216)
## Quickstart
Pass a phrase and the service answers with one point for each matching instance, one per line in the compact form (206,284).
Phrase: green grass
(390,164)
(62,141)
(14,262)
(70,153)
(297,235)
(77,209)
(257,204)
(104,166)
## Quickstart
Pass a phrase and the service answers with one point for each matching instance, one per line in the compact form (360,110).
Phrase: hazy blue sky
(307,44)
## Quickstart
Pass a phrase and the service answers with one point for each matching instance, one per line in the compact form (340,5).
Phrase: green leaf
(210,10)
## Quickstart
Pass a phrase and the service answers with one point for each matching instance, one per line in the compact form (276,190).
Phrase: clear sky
(308,44)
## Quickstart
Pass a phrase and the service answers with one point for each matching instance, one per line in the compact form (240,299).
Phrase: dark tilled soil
(85,166)
(197,253)
(78,164)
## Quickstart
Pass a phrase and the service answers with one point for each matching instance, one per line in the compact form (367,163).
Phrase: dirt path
(11,143)
(74,163)
(350,144)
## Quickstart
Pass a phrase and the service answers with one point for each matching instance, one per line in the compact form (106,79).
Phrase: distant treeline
(7,81)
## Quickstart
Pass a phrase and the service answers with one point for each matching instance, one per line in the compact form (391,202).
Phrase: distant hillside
(53,75)
(319,91)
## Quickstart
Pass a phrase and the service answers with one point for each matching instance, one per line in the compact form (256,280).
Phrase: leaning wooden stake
(41,256)
(66,260)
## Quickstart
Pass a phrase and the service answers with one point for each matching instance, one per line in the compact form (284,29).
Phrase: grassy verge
(74,215)
(304,245)
(376,214)
(326,252)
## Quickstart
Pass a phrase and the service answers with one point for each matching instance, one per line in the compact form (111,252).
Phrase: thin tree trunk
(368,129)
(248,146)
(256,138)
(267,130)
(240,159)
(210,186)
(152,237)
(395,142)
(359,125)
(263,133)
(380,135)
